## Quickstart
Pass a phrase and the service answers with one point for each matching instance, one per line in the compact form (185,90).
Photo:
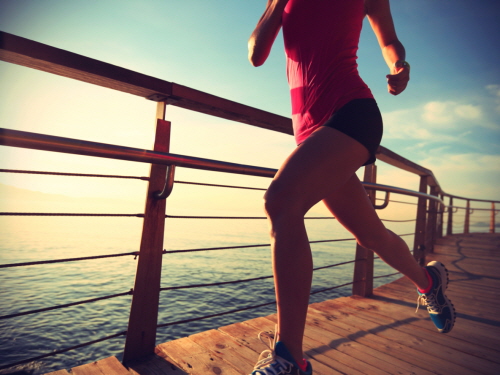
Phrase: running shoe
(278,361)
(440,308)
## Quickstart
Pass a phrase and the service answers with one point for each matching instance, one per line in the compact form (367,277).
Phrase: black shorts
(360,119)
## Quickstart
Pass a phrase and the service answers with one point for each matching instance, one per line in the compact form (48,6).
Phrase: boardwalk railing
(141,332)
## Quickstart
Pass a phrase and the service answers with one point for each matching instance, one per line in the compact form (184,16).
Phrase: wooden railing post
(467,217)
(363,267)
(492,218)
(419,242)
(449,230)
(440,218)
(141,333)
(432,218)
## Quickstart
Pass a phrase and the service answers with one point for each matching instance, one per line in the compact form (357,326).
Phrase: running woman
(338,128)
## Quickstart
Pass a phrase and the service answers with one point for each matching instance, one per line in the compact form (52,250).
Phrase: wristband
(402,64)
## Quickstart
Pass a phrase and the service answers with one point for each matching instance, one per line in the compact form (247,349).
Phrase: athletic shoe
(278,361)
(440,308)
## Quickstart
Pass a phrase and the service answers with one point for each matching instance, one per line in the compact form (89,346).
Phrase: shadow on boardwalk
(355,335)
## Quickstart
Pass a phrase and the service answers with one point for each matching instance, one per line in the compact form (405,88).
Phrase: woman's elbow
(254,56)
(254,60)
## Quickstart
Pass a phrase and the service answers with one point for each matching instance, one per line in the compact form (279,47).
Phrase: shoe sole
(443,272)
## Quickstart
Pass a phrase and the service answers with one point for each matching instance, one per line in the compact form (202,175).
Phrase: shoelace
(429,301)
(268,357)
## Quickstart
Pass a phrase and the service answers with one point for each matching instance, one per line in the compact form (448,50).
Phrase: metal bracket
(385,204)
(162,98)
(169,184)
(157,97)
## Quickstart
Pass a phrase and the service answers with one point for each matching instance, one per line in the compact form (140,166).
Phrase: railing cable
(247,280)
(130,292)
(215,315)
(66,214)
(55,352)
(135,253)
(244,246)
(73,174)
(390,274)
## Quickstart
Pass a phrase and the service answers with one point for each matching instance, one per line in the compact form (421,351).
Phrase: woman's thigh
(322,164)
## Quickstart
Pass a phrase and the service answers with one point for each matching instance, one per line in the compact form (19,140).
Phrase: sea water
(26,239)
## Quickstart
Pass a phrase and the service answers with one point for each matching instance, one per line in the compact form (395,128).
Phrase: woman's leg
(353,209)
(325,162)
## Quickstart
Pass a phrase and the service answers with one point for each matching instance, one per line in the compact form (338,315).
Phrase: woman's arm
(379,15)
(262,38)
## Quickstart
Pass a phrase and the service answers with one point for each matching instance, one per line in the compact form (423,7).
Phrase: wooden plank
(186,97)
(369,345)
(429,361)
(316,350)
(227,349)
(26,52)
(59,372)
(247,335)
(422,343)
(194,359)
(490,354)
(154,365)
(107,366)
(400,351)
(464,330)
(391,158)
(383,363)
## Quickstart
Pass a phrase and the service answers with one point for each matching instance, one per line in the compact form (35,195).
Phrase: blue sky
(448,120)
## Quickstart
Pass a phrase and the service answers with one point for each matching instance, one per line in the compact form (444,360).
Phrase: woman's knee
(279,202)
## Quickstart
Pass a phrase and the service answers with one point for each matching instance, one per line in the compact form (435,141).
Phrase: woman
(338,127)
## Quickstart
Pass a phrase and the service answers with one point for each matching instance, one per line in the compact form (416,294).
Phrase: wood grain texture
(383,334)
(357,335)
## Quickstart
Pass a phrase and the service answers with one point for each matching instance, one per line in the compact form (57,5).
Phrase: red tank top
(321,41)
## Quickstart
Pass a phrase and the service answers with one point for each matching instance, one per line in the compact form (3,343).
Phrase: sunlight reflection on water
(33,287)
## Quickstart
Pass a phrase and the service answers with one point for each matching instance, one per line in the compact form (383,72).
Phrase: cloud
(494,90)
(444,121)
(472,175)
(449,112)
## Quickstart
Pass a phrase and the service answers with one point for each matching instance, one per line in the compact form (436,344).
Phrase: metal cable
(217,185)
(130,292)
(247,280)
(66,260)
(391,200)
(72,174)
(168,216)
(244,246)
(55,352)
(234,217)
(242,309)
(398,221)
(391,274)
(65,214)
(123,177)
(334,287)
(214,315)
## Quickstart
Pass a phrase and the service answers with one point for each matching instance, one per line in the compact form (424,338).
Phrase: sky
(448,119)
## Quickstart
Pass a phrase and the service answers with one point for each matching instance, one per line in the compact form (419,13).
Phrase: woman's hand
(398,79)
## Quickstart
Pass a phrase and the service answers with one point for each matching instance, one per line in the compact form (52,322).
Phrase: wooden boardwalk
(354,335)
